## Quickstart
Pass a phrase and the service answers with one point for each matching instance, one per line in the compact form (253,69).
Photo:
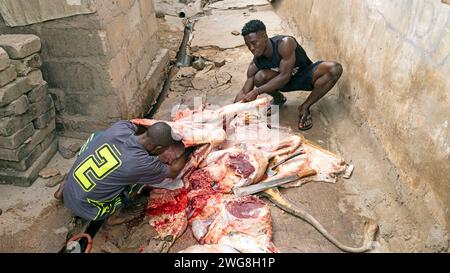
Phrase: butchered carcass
(168,212)
(206,126)
(327,165)
(243,165)
(202,198)
(168,208)
(243,223)
(192,133)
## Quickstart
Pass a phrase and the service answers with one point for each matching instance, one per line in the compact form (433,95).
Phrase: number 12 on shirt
(97,166)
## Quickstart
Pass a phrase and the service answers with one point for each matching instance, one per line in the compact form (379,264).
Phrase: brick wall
(27,112)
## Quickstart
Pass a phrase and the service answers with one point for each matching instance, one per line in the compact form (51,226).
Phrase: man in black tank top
(281,65)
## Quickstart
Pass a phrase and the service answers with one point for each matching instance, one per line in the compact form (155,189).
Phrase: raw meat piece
(242,223)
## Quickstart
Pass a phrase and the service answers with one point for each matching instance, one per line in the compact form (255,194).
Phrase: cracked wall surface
(396,58)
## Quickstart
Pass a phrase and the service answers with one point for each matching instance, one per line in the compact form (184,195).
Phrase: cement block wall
(98,65)
(27,112)
(396,58)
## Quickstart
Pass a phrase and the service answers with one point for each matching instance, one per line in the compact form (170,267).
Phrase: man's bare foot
(59,192)
(305,119)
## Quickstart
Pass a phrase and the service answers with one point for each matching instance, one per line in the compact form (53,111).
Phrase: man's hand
(173,153)
(249,83)
(240,97)
(251,96)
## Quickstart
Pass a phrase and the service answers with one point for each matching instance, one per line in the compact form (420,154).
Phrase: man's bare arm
(249,83)
(287,53)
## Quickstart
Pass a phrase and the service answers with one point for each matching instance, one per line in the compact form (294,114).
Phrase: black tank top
(302,61)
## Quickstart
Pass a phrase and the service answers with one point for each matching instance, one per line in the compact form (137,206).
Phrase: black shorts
(302,80)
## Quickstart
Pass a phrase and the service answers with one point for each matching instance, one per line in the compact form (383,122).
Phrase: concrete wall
(396,57)
(100,67)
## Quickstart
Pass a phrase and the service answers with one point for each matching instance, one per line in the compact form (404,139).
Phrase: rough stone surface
(25,66)
(20,46)
(26,179)
(219,62)
(79,127)
(24,12)
(4,60)
(140,103)
(237,4)
(24,150)
(49,172)
(10,125)
(25,163)
(58,97)
(38,93)
(210,79)
(68,147)
(231,21)
(199,64)
(42,106)
(13,91)
(44,120)
(34,78)
(54,181)
(7,76)
(14,141)
(109,247)
(17,107)
(48,140)
(235,33)
(174,8)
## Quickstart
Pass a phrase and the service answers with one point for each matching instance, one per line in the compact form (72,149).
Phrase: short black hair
(160,134)
(252,27)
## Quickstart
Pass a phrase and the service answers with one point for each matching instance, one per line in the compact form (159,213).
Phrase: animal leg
(370,227)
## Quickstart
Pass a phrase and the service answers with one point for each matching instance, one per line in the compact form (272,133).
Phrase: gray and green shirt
(108,163)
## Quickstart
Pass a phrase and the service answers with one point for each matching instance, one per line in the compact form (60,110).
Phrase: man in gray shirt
(113,161)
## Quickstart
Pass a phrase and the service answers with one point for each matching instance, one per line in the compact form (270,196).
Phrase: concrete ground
(32,220)
(371,192)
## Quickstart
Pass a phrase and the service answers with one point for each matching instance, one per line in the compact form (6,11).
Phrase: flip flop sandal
(308,120)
